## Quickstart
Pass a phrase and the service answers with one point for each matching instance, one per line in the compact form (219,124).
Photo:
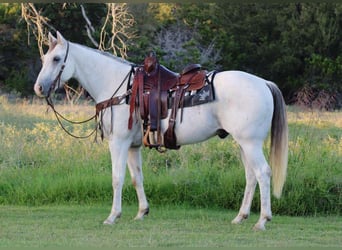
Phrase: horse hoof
(108,222)
(112,219)
(142,213)
(236,221)
(259,227)
(239,219)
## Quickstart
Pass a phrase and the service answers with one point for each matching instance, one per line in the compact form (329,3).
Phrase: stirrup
(151,140)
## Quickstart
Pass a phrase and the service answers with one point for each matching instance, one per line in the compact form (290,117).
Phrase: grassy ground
(166,226)
(56,190)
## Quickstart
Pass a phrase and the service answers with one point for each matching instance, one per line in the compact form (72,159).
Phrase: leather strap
(110,102)
(170,139)
(138,78)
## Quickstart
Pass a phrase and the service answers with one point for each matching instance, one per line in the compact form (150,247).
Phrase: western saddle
(155,90)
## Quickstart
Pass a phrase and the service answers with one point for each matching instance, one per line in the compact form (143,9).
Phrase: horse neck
(99,74)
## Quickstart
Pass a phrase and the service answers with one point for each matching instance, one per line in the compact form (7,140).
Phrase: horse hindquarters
(246,110)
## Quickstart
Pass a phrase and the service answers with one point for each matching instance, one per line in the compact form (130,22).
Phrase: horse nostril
(38,89)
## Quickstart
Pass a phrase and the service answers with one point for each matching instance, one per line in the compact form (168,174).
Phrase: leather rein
(114,100)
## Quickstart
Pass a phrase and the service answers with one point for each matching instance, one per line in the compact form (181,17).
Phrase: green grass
(166,226)
(55,191)
(41,165)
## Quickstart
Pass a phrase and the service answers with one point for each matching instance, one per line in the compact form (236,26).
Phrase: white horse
(245,106)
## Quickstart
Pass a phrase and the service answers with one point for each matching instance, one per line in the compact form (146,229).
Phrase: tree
(163,29)
(295,45)
(14,51)
(108,27)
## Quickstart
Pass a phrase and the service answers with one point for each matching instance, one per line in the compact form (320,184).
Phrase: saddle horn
(150,62)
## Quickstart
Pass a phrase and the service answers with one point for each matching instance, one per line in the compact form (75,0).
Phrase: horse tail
(279,140)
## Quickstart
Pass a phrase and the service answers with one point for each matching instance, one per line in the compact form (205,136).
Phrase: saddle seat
(161,75)
(153,85)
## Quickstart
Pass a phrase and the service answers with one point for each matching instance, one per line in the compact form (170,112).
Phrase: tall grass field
(42,165)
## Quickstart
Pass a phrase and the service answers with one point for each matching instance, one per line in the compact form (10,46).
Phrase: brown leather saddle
(153,87)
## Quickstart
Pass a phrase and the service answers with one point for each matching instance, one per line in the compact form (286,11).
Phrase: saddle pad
(202,96)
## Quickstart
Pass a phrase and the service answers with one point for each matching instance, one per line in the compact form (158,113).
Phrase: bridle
(114,100)
(58,115)
(58,77)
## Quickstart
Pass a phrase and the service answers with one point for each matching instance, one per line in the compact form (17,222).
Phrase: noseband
(58,77)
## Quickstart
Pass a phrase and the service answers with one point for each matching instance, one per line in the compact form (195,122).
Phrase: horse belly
(198,124)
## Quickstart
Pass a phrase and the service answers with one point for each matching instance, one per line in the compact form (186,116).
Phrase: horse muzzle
(39,90)
(43,91)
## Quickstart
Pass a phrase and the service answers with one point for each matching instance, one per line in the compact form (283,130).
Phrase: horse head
(56,66)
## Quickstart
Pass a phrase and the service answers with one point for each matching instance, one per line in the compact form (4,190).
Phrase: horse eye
(56,59)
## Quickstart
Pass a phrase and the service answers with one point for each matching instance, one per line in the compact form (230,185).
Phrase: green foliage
(291,44)
(325,70)
(314,162)
(17,58)
(17,80)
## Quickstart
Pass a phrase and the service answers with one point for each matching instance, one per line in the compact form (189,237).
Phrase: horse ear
(60,39)
(52,41)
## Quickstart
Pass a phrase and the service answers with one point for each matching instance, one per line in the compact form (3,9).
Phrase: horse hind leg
(249,191)
(135,168)
(258,170)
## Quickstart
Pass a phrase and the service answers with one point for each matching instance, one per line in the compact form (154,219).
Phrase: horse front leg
(118,152)
(135,169)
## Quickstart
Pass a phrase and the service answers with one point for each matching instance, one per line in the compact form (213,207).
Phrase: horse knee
(117,181)
(134,182)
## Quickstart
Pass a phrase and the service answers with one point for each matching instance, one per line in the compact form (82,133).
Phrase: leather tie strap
(138,78)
